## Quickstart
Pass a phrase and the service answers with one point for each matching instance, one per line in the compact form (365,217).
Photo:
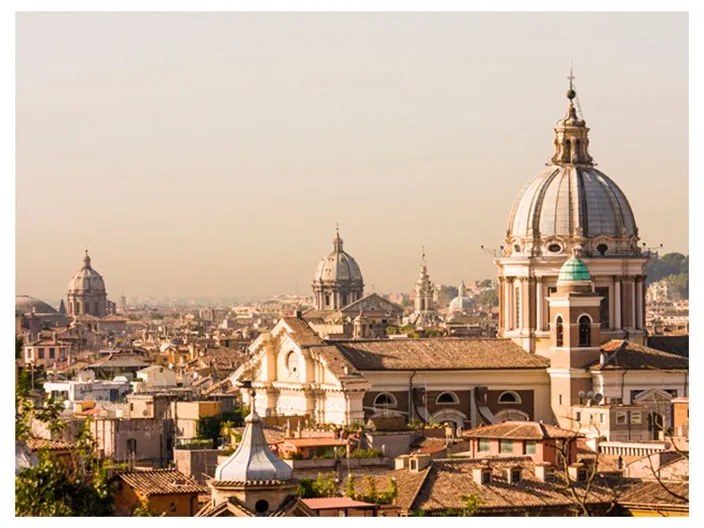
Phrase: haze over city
(214,154)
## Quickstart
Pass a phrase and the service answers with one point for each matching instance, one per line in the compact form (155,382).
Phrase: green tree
(488,298)
(325,485)
(19,345)
(78,487)
(680,284)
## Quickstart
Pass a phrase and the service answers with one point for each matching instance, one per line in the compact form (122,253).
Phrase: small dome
(253,460)
(574,270)
(338,266)
(25,304)
(86,279)
(461,303)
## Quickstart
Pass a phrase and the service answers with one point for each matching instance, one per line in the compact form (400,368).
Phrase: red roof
(332,503)
(315,442)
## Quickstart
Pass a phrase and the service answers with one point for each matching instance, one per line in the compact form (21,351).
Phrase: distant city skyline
(212,155)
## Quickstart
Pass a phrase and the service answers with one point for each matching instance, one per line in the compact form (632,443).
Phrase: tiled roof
(336,361)
(34,444)
(161,482)
(653,493)
(439,354)
(626,354)
(301,333)
(450,480)
(673,344)
(520,431)
(322,315)
(119,361)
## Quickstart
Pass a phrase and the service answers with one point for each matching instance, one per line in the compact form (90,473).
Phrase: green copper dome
(574,270)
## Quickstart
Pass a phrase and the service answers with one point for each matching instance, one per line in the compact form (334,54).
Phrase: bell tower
(575,336)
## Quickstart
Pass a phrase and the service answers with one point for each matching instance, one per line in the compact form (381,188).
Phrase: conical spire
(571,134)
(461,290)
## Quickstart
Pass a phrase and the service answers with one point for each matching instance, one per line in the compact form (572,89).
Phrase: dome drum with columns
(570,206)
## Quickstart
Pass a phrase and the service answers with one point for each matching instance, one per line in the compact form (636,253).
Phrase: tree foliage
(211,427)
(669,264)
(79,486)
(488,297)
(325,485)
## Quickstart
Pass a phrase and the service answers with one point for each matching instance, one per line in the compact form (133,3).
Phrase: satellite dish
(590,394)
(580,394)
(598,397)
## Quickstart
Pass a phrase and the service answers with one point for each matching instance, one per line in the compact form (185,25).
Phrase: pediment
(653,395)
(372,303)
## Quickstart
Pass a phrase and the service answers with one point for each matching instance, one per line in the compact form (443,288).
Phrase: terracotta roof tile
(161,482)
(450,480)
(652,492)
(35,444)
(439,354)
(520,431)
(301,332)
(626,354)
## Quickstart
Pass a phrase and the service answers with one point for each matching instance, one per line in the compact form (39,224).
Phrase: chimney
(602,358)
(543,471)
(513,474)
(482,474)
(577,472)
(418,462)
(298,313)
(401,462)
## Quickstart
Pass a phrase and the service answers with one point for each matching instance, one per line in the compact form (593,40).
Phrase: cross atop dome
(337,243)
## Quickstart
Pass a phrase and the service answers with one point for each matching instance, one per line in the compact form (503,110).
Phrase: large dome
(338,266)
(86,279)
(24,304)
(570,204)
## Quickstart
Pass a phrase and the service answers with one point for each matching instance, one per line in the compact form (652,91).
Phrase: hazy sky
(213,154)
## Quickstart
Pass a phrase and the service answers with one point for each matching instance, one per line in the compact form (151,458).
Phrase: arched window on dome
(78,307)
(509,397)
(385,399)
(327,299)
(585,331)
(447,398)
(559,332)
